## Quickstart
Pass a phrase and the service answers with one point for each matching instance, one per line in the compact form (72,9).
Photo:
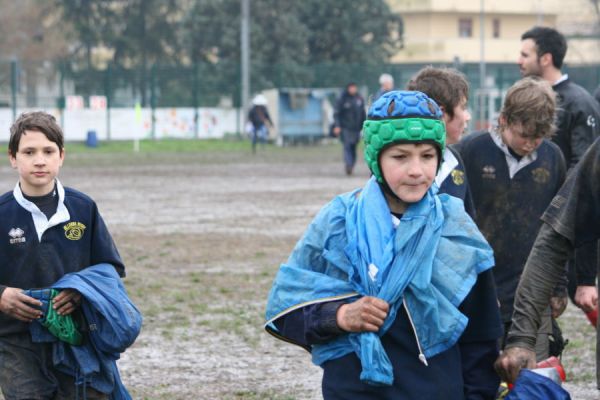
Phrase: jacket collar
(514,165)
(42,224)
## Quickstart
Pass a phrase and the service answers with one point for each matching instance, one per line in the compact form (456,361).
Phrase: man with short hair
(543,50)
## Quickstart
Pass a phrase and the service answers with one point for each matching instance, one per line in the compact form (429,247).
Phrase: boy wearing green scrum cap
(376,286)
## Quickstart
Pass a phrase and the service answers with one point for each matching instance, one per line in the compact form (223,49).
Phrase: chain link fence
(26,85)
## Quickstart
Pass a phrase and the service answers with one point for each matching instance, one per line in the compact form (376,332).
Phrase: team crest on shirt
(74,230)
(591,121)
(489,172)
(458,177)
(541,175)
(16,236)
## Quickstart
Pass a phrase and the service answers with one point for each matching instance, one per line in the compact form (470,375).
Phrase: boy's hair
(38,121)
(446,86)
(531,103)
(548,40)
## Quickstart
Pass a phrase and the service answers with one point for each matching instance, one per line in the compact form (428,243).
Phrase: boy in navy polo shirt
(450,90)
(49,231)
(514,173)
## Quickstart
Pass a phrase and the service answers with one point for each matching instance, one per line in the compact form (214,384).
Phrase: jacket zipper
(421,355)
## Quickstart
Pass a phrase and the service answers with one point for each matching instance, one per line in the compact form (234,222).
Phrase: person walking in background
(349,116)
(258,116)
(386,84)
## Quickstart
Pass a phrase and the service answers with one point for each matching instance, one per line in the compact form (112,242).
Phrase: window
(496,28)
(465,27)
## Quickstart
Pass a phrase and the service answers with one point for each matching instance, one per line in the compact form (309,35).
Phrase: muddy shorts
(27,372)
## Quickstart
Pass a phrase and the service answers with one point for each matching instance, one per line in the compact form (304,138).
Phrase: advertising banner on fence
(125,125)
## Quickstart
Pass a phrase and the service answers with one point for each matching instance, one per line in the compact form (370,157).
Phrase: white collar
(514,165)
(42,224)
(563,78)
(395,221)
(449,162)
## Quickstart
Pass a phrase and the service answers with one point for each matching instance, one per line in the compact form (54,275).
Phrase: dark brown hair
(531,103)
(446,86)
(38,121)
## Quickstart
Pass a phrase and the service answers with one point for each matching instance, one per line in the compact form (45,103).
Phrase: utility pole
(245,50)
(482,87)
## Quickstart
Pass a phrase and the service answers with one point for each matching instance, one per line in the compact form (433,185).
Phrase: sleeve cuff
(520,341)
(328,318)
(586,280)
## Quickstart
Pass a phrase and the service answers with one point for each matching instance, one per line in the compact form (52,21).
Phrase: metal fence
(51,85)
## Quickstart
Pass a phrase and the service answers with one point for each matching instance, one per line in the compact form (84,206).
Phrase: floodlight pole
(245,50)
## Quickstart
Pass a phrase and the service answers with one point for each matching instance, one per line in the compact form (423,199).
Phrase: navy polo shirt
(75,242)
(509,207)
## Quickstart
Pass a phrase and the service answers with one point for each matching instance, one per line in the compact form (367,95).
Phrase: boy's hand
(364,315)
(586,298)
(512,360)
(16,304)
(66,301)
(558,304)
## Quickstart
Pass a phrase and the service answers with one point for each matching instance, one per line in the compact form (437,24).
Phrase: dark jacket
(71,246)
(509,210)
(259,116)
(350,112)
(578,120)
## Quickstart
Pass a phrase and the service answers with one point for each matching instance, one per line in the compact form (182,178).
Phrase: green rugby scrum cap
(401,116)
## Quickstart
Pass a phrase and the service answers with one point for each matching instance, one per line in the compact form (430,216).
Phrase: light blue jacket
(429,263)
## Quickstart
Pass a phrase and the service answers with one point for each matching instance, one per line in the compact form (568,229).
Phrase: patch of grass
(160,146)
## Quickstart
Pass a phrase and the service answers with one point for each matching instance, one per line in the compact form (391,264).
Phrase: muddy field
(202,236)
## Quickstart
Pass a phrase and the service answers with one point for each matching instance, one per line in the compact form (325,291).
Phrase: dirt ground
(202,236)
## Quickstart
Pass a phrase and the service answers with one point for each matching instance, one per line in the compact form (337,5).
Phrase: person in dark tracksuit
(49,231)
(543,50)
(259,117)
(349,115)
(301,310)
(514,173)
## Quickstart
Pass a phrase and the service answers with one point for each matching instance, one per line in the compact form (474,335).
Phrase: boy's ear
(445,116)
(501,121)
(12,159)
(62,156)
